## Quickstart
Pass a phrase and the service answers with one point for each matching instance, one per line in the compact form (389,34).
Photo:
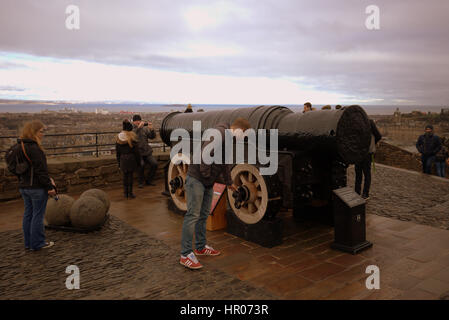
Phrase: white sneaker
(190,261)
(207,251)
(48,245)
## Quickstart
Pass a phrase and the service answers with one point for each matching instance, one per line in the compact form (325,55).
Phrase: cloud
(91,81)
(11,88)
(10,65)
(323,44)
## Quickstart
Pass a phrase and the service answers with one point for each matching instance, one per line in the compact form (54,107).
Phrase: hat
(429,126)
(127,126)
(137,117)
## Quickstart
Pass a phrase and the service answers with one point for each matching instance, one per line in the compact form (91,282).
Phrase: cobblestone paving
(391,191)
(117,262)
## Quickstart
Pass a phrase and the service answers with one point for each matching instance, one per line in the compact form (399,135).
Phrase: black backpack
(17,160)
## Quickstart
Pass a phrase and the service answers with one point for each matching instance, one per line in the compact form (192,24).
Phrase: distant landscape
(400,125)
(30,106)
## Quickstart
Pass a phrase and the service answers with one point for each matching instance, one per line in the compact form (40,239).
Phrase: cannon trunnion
(314,150)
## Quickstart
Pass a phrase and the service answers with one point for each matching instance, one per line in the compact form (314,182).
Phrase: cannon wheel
(178,170)
(264,200)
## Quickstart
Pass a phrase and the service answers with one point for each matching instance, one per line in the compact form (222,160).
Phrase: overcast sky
(238,52)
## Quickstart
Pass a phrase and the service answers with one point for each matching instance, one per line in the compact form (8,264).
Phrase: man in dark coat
(428,145)
(363,168)
(145,131)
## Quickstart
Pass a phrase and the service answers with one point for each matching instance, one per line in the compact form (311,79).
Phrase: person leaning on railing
(35,185)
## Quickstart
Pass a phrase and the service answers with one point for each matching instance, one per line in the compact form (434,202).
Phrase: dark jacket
(128,158)
(442,155)
(143,134)
(41,179)
(208,174)
(428,145)
(375,136)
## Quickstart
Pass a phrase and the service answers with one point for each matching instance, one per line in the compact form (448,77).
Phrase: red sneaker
(207,251)
(190,261)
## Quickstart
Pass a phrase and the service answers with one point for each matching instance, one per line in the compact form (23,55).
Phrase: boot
(125,191)
(131,195)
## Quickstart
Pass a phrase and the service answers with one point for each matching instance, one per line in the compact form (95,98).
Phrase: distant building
(445,111)
(48,111)
(397,117)
(70,110)
(101,111)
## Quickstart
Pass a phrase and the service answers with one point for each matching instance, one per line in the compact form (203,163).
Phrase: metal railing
(94,148)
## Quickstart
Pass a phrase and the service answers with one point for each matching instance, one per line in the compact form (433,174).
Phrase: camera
(145,123)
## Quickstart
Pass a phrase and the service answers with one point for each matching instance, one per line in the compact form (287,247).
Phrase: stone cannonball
(99,194)
(87,212)
(57,212)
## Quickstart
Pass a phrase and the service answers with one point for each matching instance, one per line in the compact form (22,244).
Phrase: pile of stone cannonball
(89,211)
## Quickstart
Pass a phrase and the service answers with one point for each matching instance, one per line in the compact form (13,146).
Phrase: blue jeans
(35,201)
(199,201)
(441,168)
(427,163)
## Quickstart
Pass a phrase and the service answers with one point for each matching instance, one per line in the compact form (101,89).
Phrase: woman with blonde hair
(35,185)
(128,156)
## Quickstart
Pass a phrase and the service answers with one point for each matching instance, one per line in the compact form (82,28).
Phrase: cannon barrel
(344,133)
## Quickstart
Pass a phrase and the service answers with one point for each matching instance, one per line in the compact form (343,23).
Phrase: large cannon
(314,150)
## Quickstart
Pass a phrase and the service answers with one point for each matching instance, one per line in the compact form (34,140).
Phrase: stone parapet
(76,174)
(391,155)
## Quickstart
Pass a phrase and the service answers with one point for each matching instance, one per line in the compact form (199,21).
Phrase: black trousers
(363,169)
(128,178)
(152,162)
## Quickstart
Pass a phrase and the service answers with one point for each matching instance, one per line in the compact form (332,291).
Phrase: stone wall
(76,174)
(396,157)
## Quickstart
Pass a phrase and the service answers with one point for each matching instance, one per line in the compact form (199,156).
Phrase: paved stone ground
(408,196)
(117,262)
(137,256)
